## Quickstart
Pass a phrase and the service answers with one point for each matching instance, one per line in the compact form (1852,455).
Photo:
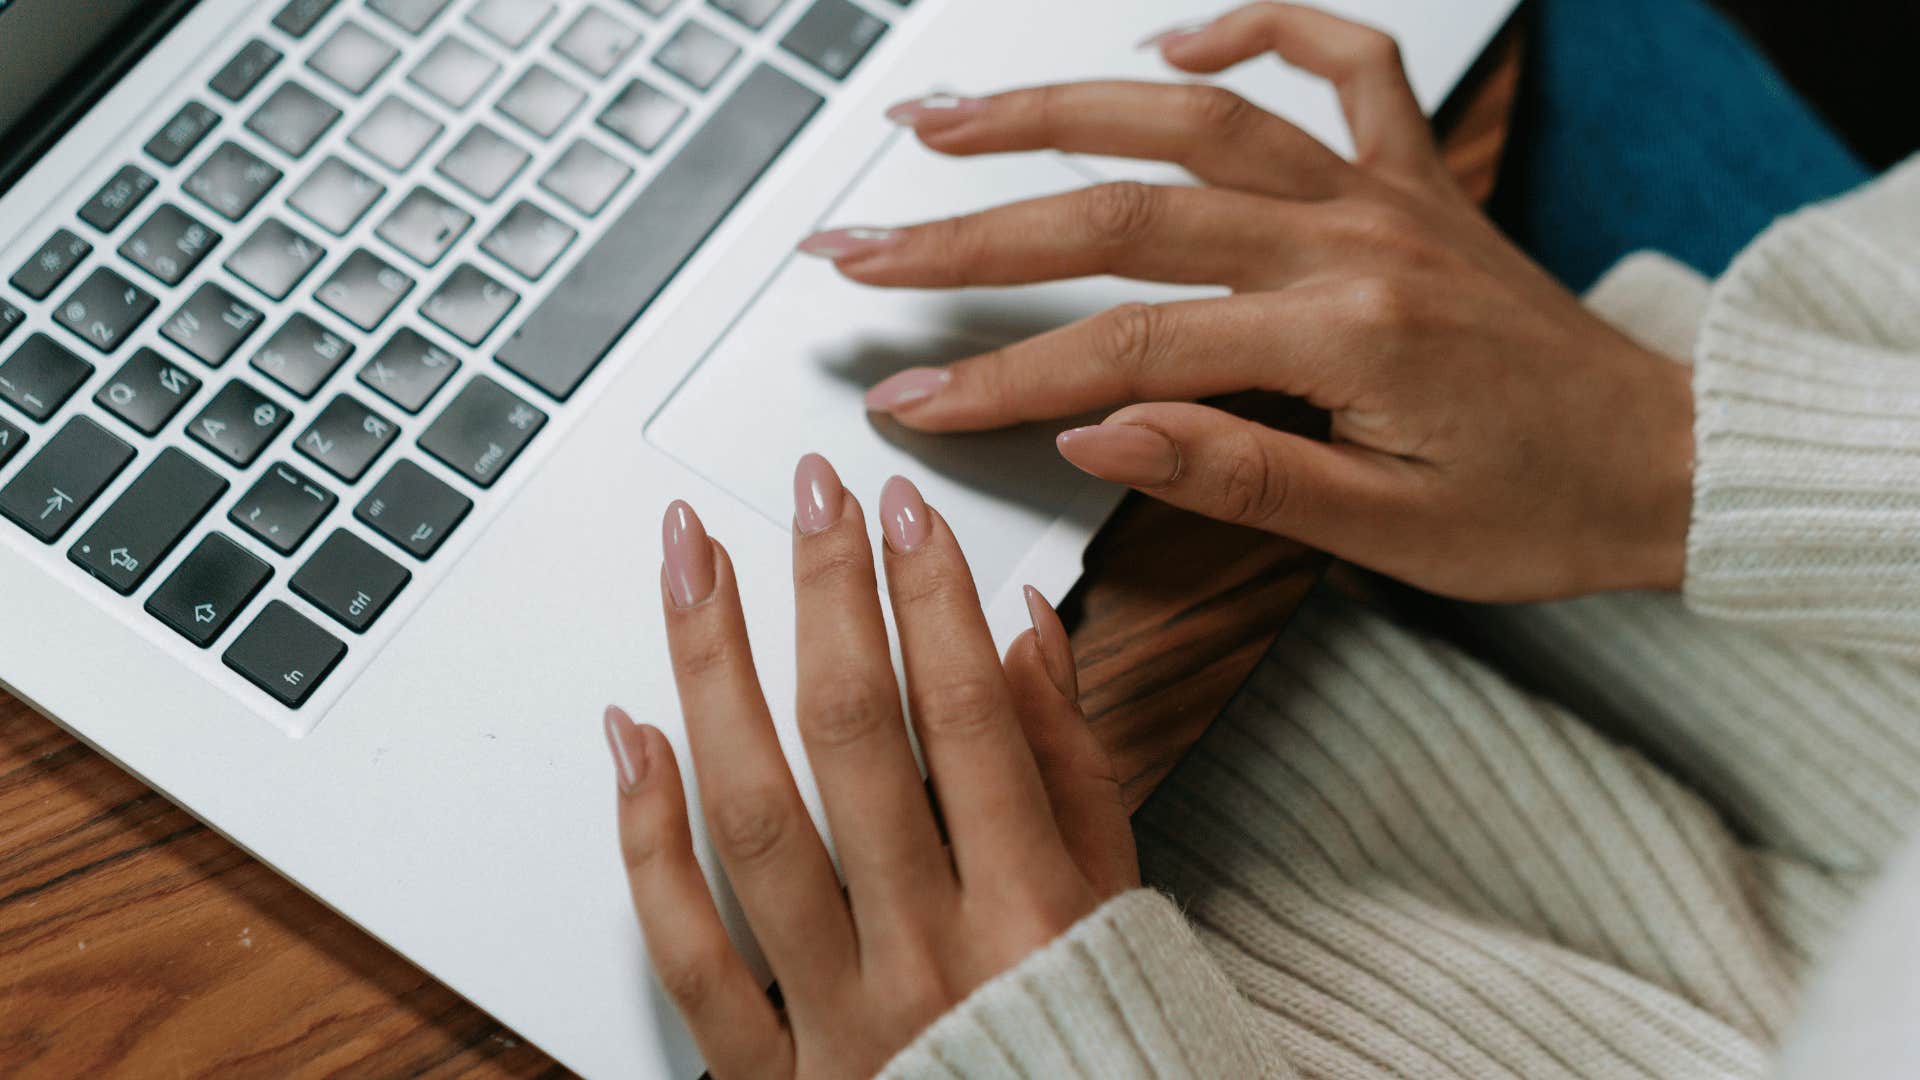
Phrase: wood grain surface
(134,941)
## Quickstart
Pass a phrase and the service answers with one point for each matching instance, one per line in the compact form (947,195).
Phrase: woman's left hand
(1036,834)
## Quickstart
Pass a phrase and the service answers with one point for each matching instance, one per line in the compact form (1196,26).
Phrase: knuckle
(1378,50)
(1384,303)
(1128,338)
(848,712)
(1216,109)
(1253,486)
(919,992)
(704,654)
(937,582)
(838,570)
(643,848)
(749,825)
(1120,213)
(691,977)
(959,708)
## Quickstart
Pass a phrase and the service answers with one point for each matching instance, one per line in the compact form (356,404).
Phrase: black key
(511,22)
(409,15)
(455,72)
(414,509)
(182,133)
(642,116)
(282,508)
(212,324)
(483,162)
(752,14)
(245,70)
(232,181)
(350,580)
(299,17)
(238,423)
(105,309)
(541,101)
(395,133)
(169,244)
(213,584)
(11,440)
(147,391)
(302,355)
(117,198)
(64,478)
(40,376)
(50,265)
(10,319)
(147,520)
(528,240)
(469,304)
(347,438)
(352,58)
(586,177)
(275,258)
(482,430)
(364,290)
(336,195)
(834,36)
(697,54)
(614,282)
(596,41)
(285,654)
(408,370)
(293,118)
(653,7)
(424,226)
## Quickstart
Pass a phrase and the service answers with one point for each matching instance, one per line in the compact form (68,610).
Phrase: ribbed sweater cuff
(1129,991)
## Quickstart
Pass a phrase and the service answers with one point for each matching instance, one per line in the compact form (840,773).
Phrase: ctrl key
(285,654)
(212,585)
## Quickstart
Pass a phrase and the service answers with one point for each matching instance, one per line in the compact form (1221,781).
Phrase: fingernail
(689,555)
(817,495)
(1172,36)
(629,748)
(1051,635)
(846,243)
(935,112)
(1123,453)
(903,515)
(909,387)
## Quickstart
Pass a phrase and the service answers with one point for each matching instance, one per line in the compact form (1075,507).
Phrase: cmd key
(62,480)
(148,519)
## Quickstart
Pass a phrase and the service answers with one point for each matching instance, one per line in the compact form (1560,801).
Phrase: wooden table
(135,941)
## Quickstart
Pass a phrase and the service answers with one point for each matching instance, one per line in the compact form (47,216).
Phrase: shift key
(64,479)
(147,521)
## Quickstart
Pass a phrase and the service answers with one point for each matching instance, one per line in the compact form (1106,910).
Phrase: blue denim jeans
(1656,124)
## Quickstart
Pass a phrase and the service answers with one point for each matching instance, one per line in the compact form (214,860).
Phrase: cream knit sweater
(1388,858)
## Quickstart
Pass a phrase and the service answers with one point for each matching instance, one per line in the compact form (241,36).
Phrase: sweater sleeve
(1806,516)
(1129,991)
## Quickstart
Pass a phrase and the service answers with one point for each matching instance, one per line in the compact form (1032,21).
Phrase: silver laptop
(350,349)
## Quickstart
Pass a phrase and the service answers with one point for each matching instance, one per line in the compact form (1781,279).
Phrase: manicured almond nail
(817,495)
(689,555)
(907,389)
(935,112)
(1050,634)
(629,746)
(1123,453)
(903,515)
(848,243)
(1172,36)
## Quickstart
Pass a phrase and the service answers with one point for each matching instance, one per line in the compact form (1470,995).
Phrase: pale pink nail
(903,515)
(907,389)
(935,112)
(817,495)
(689,555)
(1123,453)
(847,243)
(1050,634)
(1174,36)
(629,747)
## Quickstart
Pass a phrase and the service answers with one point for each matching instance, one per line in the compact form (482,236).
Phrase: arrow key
(214,583)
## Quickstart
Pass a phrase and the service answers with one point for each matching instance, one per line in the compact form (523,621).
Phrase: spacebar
(614,282)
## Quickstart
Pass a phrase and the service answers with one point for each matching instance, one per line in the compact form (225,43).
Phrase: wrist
(1667,486)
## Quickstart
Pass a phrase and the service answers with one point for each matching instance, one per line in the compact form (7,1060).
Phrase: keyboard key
(275,259)
(350,580)
(596,41)
(117,198)
(482,430)
(212,324)
(510,22)
(302,355)
(50,265)
(293,118)
(238,424)
(285,654)
(64,478)
(528,240)
(352,57)
(214,583)
(395,133)
(148,519)
(455,72)
(364,290)
(232,181)
(169,244)
(182,133)
(541,101)
(245,70)
(752,14)
(614,282)
(408,370)
(483,163)
(642,116)
(469,304)
(105,309)
(697,54)
(424,226)
(585,177)
(414,509)
(336,196)
(347,438)
(10,319)
(11,440)
(409,15)
(299,17)
(40,376)
(147,391)
(283,508)
(833,36)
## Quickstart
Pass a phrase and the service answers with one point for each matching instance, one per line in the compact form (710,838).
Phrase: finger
(723,1004)
(849,709)
(995,808)
(761,829)
(1217,135)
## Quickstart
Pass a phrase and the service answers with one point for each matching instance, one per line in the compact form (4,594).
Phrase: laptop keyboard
(351,277)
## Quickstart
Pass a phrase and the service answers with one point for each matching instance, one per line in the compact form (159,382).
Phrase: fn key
(285,654)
